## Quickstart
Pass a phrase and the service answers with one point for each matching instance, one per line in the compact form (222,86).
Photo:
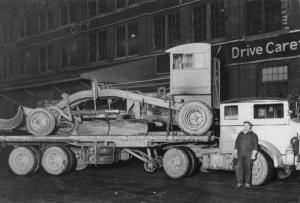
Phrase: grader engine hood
(14,122)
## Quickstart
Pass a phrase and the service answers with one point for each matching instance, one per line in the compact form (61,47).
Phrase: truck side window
(231,112)
(263,111)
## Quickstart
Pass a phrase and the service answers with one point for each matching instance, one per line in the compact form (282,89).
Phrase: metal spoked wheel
(176,163)
(55,160)
(150,165)
(22,161)
(40,122)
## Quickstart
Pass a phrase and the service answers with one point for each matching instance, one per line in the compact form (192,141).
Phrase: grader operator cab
(70,136)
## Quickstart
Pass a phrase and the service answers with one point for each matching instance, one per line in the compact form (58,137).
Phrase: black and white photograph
(150,101)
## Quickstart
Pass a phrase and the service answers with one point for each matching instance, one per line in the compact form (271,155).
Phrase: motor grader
(178,130)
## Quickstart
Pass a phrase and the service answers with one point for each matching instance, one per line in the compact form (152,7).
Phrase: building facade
(47,45)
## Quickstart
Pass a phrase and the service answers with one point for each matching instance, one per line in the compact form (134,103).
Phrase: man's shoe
(239,185)
(247,185)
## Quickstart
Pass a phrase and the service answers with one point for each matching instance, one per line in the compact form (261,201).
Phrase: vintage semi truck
(179,130)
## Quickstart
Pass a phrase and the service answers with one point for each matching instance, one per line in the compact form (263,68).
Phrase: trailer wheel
(40,122)
(195,118)
(22,161)
(261,169)
(176,163)
(150,165)
(55,160)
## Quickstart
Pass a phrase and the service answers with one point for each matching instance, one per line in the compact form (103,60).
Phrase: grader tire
(22,161)
(262,169)
(55,160)
(195,118)
(40,122)
(176,163)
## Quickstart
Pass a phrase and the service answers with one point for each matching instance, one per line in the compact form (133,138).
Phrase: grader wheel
(55,160)
(23,161)
(150,165)
(40,122)
(176,163)
(195,118)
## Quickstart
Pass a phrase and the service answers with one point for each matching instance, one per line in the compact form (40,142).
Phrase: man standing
(245,150)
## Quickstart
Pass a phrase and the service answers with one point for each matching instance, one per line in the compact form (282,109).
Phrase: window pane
(92,7)
(121,3)
(231,112)
(132,38)
(64,15)
(159,32)
(273,15)
(173,28)
(120,41)
(102,46)
(92,47)
(51,23)
(200,24)
(43,59)
(217,19)
(43,22)
(254,16)
(102,6)
(267,111)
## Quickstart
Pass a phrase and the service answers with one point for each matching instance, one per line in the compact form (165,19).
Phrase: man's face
(247,127)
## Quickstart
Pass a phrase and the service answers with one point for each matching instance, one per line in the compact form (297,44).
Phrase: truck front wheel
(261,169)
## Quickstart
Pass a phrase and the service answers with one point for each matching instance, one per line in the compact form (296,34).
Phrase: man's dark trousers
(243,168)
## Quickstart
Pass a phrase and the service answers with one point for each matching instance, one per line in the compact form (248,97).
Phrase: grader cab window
(183,61)
(267,111)
(231,112)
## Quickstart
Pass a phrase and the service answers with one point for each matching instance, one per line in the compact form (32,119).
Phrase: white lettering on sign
(270,48)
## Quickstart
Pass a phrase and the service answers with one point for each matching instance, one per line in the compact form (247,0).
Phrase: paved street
(128,182)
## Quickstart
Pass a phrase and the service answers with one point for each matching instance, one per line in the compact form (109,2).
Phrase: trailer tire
(195,118)
(22,161)
(176,163)
(55,160)
(40,122)
(261,169)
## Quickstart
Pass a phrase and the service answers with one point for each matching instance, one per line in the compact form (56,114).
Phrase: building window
(278,73)
(217,19)
(206,27)
(159,32)
(28,62)
(5,66)
(166,30)
(102,46)
(43,22)
(126,40)
(51,20)
(173,28)
(47,21)
(263,16)
(121,3)
(69,54)
(120,41)
(74,13)
(96,7)
(92,7)
(200,24)
(97,46)
(21,29)
(64,15)
(43,59)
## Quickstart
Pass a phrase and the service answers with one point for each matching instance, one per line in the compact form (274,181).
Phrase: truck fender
(272,151)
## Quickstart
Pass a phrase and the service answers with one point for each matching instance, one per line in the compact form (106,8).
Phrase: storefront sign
(282,46)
